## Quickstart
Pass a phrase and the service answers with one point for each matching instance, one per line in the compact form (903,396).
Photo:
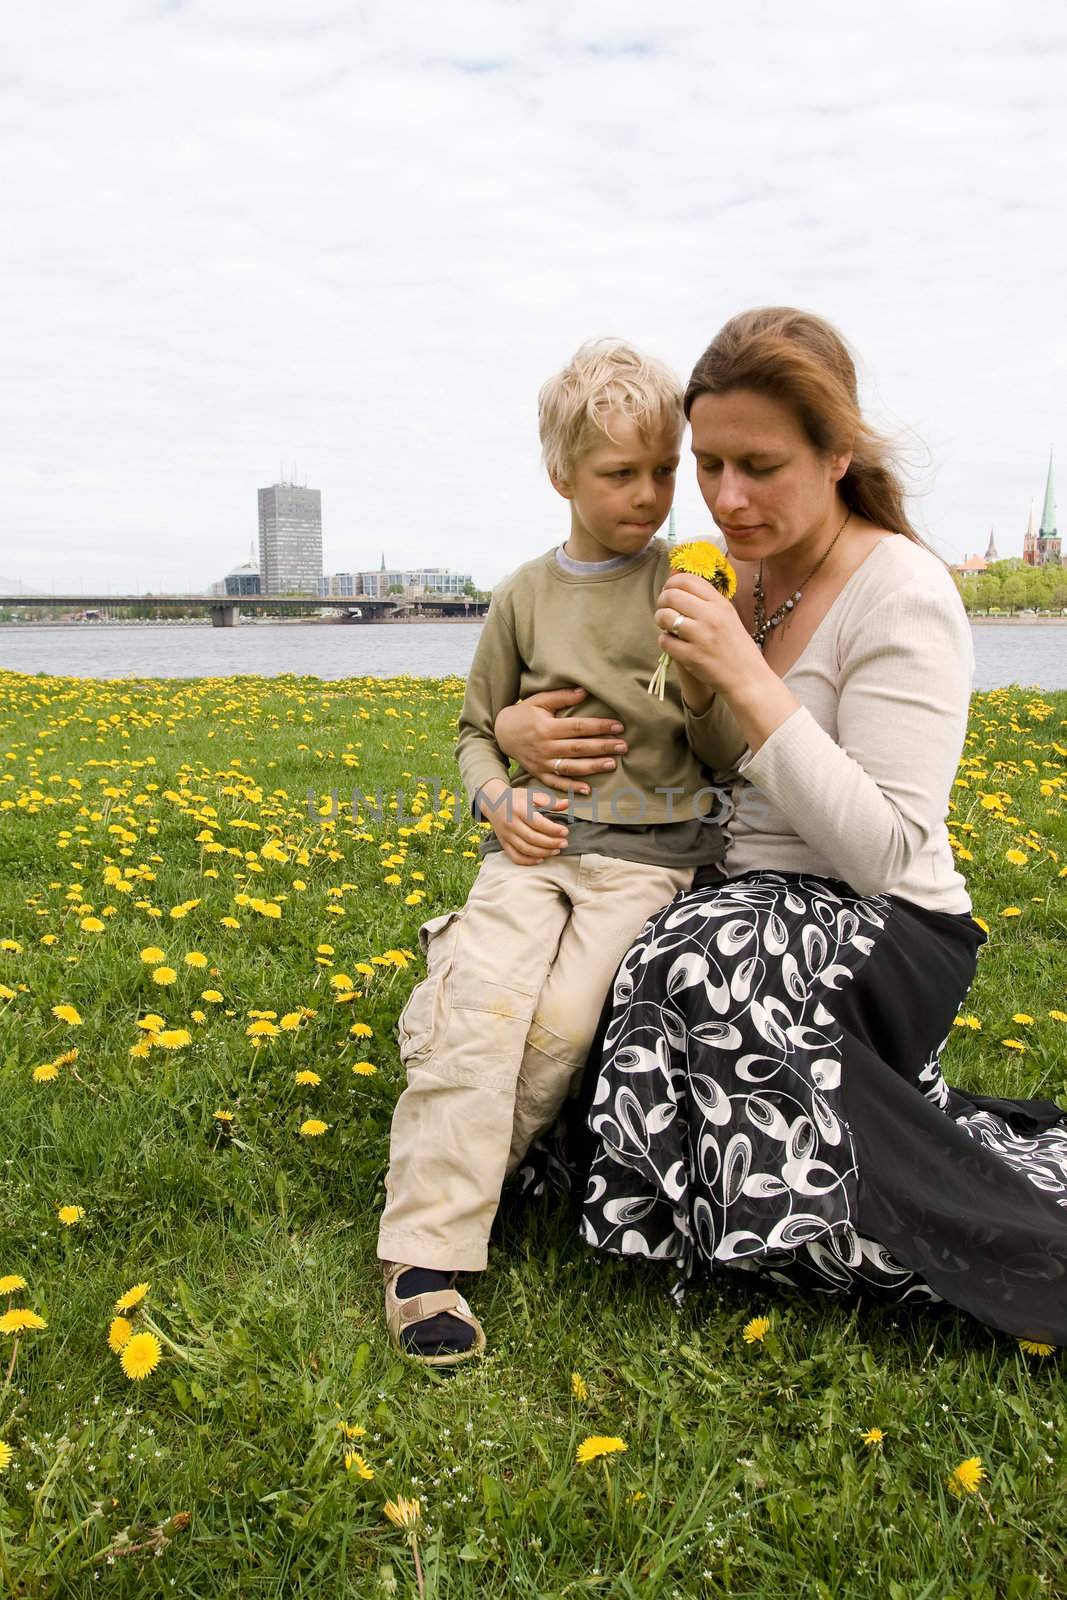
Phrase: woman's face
(762,479)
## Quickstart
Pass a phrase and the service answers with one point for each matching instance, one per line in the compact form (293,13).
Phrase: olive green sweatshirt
(552,629)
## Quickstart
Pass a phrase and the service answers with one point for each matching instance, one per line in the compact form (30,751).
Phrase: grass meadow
(199,983)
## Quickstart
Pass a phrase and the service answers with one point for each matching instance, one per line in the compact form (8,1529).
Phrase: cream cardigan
(855,784)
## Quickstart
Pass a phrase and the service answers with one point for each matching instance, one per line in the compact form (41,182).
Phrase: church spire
(1048,515)
(991,550)
(382,567)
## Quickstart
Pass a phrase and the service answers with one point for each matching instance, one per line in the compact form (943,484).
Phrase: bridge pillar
(225,616)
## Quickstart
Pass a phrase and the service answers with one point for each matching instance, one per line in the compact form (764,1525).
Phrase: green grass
(745,1472)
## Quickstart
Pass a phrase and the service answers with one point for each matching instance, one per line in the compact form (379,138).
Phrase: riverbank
(1029,620)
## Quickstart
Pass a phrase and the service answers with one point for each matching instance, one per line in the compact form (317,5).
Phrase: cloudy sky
(347,240)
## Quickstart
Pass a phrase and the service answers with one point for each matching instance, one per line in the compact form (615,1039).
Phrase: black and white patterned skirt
(764,1094)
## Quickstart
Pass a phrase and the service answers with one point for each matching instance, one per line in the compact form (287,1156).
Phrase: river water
(1027,653)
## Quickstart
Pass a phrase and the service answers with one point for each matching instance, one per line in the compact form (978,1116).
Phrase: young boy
(498,1031)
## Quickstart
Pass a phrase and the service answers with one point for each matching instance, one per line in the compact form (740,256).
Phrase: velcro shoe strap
(418,1307)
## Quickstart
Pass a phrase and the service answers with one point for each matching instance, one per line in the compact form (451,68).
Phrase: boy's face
(620,492)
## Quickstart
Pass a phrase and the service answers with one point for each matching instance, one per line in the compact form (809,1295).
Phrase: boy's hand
(526,837)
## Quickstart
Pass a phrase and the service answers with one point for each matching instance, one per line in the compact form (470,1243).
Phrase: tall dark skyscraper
(290,539)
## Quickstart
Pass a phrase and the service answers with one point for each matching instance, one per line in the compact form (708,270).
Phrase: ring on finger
(557,764)
(675,629)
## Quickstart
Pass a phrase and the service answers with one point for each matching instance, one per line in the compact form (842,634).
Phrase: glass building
(290,539)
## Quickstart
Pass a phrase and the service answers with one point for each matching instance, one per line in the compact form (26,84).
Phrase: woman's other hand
(558,751)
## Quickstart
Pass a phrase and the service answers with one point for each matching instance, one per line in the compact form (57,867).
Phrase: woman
(765,1093)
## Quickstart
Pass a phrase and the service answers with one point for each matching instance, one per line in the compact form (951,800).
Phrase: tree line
(1011,586)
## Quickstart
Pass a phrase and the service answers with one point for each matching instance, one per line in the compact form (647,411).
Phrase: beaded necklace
(761,622)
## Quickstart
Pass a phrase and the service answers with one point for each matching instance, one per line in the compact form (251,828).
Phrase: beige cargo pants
(496,1034)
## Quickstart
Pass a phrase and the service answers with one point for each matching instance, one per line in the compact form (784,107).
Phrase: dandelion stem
(179,1350)
(418,1566)
(11,1365)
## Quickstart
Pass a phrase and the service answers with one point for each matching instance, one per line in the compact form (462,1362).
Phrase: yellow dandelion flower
(151,954)
(12,945)
(261,1029)
(6,1455)
(198,1016)
(174,1038)
(392,879)
(702,559)
(313,1128)
(132,1297)
(355,1462)
(46,1073)
(361,1030)
(351,1430)
(1018,858)
(1058,1016)
(873,1436)
(229,922)
(140,1356)
(193,958)
(341,980)
(1013,1044)
(597,1445)
(1011,911)
(119,1334)
(756,1331)
(164,975)
(225,1117)
(981,923)
(291,1021)
(578,1387)
(69,1215)
(139,1051)
(403,1513)
(1034,1347)
(12,1283)
(364,1069)
(21,1321)
(967,1477)
(68,1014)
(1021,1016)
(91,925)
(961,1021)
(324,949)
(305,1075)
(151,1023)
(212,996)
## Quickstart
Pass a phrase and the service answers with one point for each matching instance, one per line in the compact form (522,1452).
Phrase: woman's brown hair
(802,361)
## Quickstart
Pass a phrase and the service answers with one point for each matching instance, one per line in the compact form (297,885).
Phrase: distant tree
(987,592)
(396,588)
(1014,592)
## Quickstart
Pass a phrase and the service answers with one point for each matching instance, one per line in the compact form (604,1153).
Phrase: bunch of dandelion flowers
(700,559)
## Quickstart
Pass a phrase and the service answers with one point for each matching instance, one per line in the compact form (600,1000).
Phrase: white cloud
(353,240)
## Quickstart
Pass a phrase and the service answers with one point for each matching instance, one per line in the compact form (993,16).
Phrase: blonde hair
(604,376)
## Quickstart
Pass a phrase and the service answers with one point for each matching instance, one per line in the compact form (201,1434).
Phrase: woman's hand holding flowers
(713,653)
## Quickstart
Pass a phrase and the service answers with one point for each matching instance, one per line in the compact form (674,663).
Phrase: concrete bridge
(226,609)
